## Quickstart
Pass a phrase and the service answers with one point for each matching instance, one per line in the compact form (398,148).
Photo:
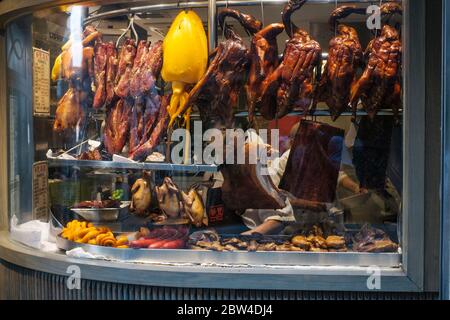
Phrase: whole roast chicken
(169,199)
(291,85)
(345,56)
(141,195)
(380,84)
(263,61)
(216,94)
(194,207)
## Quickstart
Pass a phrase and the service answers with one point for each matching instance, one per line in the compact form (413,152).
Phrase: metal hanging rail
(202,4)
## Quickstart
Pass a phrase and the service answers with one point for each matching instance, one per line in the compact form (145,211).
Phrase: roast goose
(380,85)
(216,94)
(290,86)
(345,56)
(314,161)
(263,61)
(246,186)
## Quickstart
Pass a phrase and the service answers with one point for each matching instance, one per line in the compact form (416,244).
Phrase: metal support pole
(445,166)
(212,25)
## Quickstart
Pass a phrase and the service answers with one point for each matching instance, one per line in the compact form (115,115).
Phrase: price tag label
(41,82)
(40,191)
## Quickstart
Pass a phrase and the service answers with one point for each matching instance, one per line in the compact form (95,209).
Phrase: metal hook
(224,21)
(262,13)
(335,23)
(130,27)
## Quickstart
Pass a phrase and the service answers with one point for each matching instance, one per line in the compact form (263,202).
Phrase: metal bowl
(101,215)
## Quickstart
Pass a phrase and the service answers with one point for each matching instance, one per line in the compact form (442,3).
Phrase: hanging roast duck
(290,86)
(218,90)
(263,61)
(345,56)
(380,85)
(70,109)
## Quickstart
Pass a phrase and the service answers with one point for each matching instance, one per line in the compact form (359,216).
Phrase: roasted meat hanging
(146,69)
(216,94)
(246,186)
(70,108)
(380,85)
(125,67)
(314,162)
(290,86)
(117,126)
(69,113)
(263,61)
(100,62)
(143,120)
(345,56)
(154,131)
(111,71)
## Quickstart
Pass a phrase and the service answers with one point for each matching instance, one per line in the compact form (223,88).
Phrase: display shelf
(156,166)
(325,113)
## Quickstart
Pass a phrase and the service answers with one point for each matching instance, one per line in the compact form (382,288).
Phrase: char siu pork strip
(126,62)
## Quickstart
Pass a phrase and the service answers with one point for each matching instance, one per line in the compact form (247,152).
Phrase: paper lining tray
(383,260)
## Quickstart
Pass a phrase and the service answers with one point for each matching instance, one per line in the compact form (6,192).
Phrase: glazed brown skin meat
(291,86)
(380,85)
(100,61)
(263,61)
(345,56)
(216,94)
(314,161)
(146,70)
(153,132)
(117,127)
(139,61)
(126,62)
(78,73)
(152,68)
(69,113)
(111,71)
(239,179)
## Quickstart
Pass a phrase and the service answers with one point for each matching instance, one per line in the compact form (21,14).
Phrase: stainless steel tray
(101,215)
(382,260)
